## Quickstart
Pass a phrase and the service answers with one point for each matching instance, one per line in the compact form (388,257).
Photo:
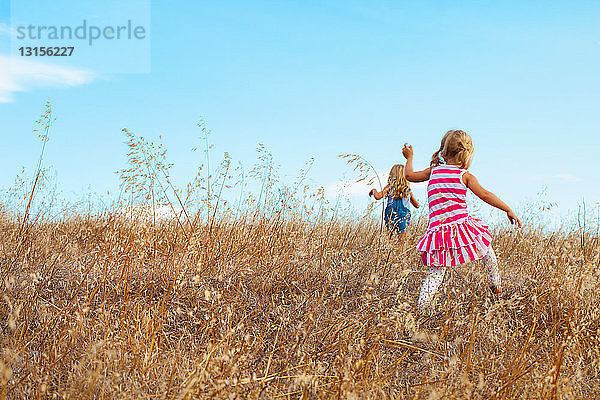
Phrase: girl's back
(447,195)
(404,201)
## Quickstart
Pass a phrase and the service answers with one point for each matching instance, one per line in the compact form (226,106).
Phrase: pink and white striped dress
(453,236)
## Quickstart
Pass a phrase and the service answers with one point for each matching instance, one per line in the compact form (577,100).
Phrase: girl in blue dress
(398,199)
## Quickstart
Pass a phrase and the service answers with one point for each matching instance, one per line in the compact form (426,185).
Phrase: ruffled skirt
(455,244)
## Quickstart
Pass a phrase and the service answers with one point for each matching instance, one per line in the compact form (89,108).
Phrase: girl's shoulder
(445,168)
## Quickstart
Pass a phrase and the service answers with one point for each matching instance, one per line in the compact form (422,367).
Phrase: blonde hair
(399,186)
(456,146)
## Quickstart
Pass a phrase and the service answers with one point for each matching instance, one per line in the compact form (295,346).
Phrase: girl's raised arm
(413,176)
(489,197)
(379,195)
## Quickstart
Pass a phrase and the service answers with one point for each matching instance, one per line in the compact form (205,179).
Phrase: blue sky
(316,78)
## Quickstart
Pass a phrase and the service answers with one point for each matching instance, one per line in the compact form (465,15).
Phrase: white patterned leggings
(436,275)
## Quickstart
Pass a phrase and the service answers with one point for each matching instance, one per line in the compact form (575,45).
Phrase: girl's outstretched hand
(372,192)
(407,151)
(513,218)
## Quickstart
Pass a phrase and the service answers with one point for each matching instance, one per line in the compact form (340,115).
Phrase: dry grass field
(280,302)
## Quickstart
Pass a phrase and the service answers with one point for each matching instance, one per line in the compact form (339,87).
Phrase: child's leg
(430,286)
(491,267)
(402,241)
(402,227)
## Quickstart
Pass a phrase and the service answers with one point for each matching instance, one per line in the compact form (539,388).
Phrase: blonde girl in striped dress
(453,237)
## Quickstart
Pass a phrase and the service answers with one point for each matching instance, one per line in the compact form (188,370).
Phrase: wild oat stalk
(42,128)
(364,168)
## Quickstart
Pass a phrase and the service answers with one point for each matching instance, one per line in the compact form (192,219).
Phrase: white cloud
(352,189)
(568,177)
(5,30)
(19,75)
(362,188)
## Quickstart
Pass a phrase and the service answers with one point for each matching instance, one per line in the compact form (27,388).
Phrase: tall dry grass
(279,299)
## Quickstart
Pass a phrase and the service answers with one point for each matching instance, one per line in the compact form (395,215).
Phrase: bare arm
(379,195)
(413,176)
(490,198)
(413,201)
